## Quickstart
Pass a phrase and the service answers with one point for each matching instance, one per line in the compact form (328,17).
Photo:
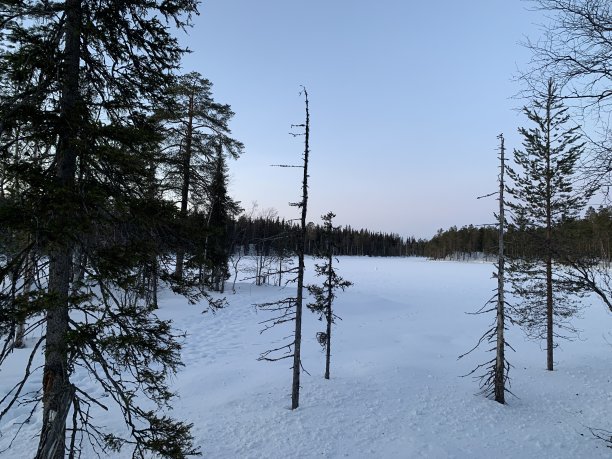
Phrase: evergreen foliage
(221,210)
(271,235)
(576,49)
(325,294)
(590,236)
(197,138)
(543,196)
(86,230)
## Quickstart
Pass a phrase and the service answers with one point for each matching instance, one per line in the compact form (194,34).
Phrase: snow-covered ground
(396,389)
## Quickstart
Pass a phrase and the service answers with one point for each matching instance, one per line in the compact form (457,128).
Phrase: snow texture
(396,389)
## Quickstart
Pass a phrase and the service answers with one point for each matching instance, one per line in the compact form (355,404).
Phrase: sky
(406,101)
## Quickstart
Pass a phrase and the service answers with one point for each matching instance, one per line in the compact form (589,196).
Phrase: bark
(52,440)
(55,376)
(56,384)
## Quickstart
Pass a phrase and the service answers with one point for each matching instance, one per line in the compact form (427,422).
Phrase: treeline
(589,236)
(273,235)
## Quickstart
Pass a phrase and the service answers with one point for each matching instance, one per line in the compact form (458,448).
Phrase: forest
(114,191)
(589,234)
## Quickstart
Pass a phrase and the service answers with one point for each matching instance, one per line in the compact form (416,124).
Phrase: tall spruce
(543,198)
(221,210)
(85,78)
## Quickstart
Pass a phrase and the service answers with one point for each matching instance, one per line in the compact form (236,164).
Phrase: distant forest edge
(589,236)
(272,235)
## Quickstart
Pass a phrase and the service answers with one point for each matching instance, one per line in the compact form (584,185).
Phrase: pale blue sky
(406,100)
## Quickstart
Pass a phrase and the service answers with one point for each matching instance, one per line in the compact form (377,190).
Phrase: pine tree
(197,126)
(543,198)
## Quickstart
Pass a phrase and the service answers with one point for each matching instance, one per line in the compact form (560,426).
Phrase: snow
(396,389)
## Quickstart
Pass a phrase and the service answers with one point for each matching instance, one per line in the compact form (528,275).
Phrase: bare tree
(303,204)
(494,381)
(501,365)
(576,50)
(290,309)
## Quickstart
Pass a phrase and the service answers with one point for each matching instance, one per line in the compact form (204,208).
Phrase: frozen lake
(395,388)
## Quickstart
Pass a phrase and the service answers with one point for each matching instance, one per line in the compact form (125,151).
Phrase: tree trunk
(329,315)
(549,198)
(51,444)
(549,312)
(56,385)
(55,377)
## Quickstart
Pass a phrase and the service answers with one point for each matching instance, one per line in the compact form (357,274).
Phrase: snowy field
(395,388)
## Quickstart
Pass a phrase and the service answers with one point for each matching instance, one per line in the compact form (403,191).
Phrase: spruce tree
(543,198)
(221,209)
(325,294)
(85,78)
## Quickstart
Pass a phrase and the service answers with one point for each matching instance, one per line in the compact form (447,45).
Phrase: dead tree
(501,370)
(290,309)
(494,381)
(297,363)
